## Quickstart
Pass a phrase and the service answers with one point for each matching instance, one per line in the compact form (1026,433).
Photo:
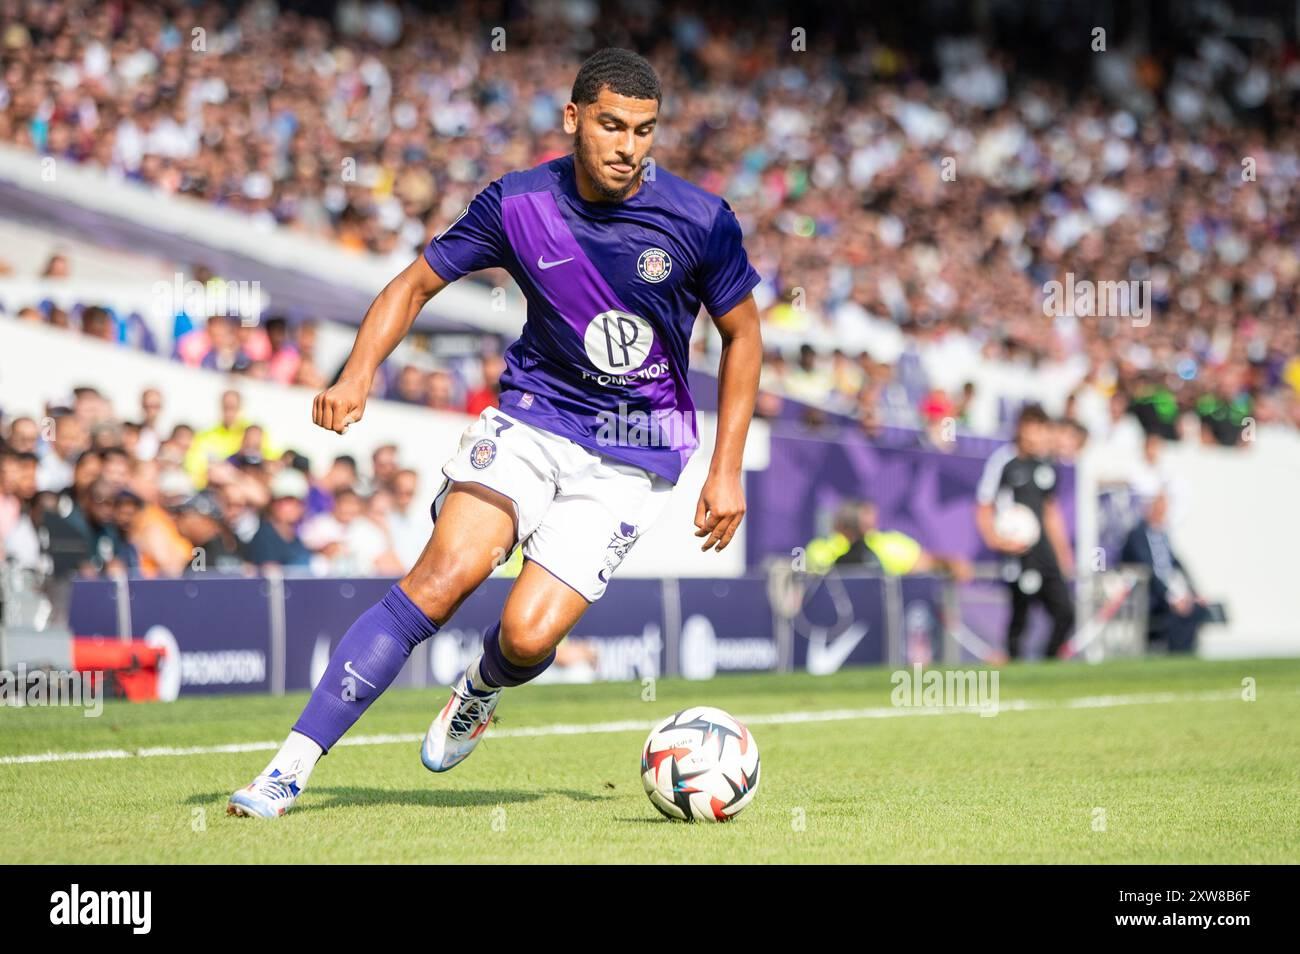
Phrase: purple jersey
(613,290)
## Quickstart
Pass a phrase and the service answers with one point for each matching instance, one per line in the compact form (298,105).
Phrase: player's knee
(438,587)
(524,638)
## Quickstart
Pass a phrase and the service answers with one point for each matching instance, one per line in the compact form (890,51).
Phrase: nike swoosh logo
(347,668)
(545,265)
(826,656)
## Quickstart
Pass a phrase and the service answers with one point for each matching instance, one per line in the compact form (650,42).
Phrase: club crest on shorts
(654,265)
(483,453)
(619,544)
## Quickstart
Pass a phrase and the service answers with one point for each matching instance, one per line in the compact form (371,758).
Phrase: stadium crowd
(90,491)
(284,351)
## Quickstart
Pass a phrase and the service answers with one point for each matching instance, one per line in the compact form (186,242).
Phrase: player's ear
(570,118)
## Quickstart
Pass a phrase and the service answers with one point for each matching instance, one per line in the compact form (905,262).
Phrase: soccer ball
(700,765)
(1018,524)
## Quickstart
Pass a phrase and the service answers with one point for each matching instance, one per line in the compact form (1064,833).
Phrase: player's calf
(367,660)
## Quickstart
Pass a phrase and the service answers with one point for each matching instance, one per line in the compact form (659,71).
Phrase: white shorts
(578,512)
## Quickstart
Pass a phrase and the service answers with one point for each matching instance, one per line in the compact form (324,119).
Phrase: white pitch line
(637,725)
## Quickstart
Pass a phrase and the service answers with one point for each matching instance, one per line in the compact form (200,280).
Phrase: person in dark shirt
(72,538)
(1022,475)
(109,549)
(201,521)
(276,539)
(1155,406)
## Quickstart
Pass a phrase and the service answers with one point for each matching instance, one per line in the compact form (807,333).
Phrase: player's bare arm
(387,322)
(722,499)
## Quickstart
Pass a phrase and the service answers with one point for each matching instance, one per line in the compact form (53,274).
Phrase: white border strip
(639,725)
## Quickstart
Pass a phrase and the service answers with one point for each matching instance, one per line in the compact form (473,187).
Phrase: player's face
(1035,439)
(611,140)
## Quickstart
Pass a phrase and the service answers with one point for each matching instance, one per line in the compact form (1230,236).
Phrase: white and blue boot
(458,727)
(268,796)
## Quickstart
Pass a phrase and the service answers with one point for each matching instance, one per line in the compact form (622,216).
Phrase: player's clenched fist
(337,407)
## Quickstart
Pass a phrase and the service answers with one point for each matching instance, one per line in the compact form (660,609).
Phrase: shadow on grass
(338,796)
(655,819)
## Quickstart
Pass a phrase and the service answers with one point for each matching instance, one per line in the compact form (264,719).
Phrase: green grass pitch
(1161,761)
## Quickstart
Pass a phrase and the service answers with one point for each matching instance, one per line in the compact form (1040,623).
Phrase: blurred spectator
(491,367)
(200,520)
(939,419)
(109,549)
(23,436)
(858,541)
(276,540)
(61,453)
(347,541)
(56,266)
(18,487)
(285,358)
(1068,439)
(221,441)
(383,467)
(808,381)
(163,549)
(442,392)
(411,386)
(1176,611)
(342,475)
(409,523)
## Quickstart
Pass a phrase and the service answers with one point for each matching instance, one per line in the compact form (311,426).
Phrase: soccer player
(615,257)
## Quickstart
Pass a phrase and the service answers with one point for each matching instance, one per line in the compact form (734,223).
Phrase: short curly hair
(618,70)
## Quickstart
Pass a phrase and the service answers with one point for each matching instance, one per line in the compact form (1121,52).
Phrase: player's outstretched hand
(719,512)
(339,406)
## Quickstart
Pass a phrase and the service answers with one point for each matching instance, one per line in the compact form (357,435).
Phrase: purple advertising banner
(923,619)
(926,494)
(841,622)
(727,626)
(92,610)
(216,630)
(232,634)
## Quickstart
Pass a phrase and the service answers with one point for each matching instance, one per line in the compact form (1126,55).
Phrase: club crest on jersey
(654,265)
(483,453)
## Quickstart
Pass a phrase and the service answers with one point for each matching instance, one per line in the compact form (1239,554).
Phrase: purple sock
(372,653)
(499,672)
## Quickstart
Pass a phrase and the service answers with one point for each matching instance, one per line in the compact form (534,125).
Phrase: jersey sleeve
(474,240)
(991,478)
(725,276)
